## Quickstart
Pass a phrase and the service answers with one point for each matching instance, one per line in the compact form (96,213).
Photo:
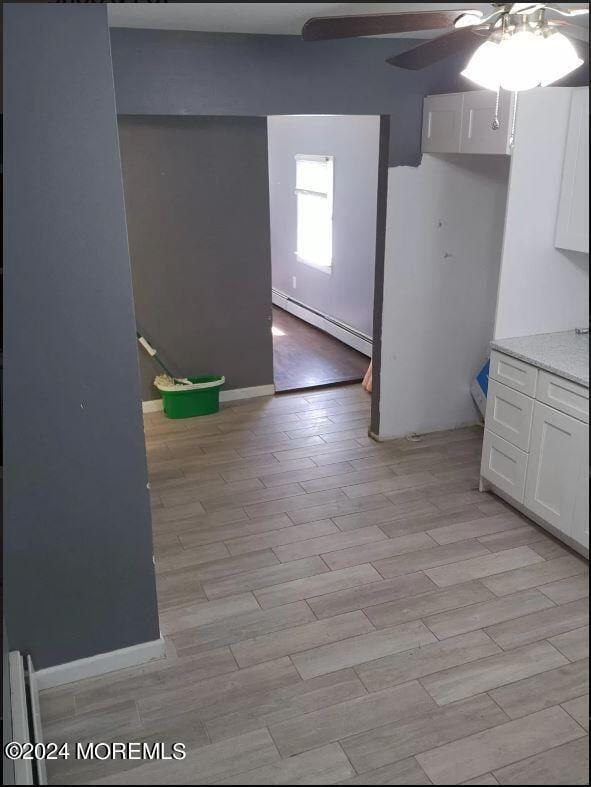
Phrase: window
(314,194)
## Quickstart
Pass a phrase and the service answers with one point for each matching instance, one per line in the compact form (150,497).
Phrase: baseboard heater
(26,718)
(340,330)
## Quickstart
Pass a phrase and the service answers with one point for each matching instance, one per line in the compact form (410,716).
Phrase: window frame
(329,196)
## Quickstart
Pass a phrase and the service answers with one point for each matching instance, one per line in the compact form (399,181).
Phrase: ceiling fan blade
(578,9)
(464,39)
(524,8)
(323,28)
(571,30)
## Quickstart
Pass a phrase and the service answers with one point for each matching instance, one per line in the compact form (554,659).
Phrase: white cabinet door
(442,118)
(580,529)
(572,226)
(558,455)
(478,112)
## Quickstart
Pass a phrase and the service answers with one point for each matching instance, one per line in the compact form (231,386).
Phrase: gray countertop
(565,354)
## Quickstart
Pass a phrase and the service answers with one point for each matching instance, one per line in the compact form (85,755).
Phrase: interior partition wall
(78,570)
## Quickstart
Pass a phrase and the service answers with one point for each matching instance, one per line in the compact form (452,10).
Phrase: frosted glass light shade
(559,58)
(484,67)
(521,59)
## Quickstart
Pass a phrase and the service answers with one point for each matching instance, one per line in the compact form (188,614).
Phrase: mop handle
(154,354)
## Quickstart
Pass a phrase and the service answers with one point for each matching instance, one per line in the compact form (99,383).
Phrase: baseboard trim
(247,393)
(417,436)
(152,406)
(344,333)
(71,671)
(155,405)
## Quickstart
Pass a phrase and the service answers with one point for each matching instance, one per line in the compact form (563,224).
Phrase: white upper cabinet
(572,225)
(463,123)
(478,113)
(442,123)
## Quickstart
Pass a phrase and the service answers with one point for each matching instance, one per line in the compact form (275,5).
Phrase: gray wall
(169,72)
(197,199)
(347,293)
(79,577)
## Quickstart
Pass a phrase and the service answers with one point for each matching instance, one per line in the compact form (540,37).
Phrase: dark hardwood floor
(305,357)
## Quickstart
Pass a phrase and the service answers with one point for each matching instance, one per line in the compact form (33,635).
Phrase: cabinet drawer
(512,372)
(563,395)
(503,465)
(509,414)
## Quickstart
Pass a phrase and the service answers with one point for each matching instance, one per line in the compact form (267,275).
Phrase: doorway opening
(324,179)
(306,357)
(203,228)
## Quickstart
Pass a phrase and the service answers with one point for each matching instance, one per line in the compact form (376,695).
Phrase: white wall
(443,245)
(541,289)
(347,294)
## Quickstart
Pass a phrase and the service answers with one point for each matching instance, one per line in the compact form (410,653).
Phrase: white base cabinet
(536,447)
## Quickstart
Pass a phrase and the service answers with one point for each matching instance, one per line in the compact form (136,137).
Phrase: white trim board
(100,664)
(23,769)
(155,405)
(340,330)
(36,721)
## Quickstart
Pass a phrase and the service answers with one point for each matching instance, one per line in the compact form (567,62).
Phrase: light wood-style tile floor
(341,611)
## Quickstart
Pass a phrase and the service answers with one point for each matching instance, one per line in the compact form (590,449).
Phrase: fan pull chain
(513,120)
(496,125)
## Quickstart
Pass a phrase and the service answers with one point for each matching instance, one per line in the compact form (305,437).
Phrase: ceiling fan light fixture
(559,58)
(484,67)
(523,58)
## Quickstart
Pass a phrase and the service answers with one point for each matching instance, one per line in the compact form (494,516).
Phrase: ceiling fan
(517,46)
